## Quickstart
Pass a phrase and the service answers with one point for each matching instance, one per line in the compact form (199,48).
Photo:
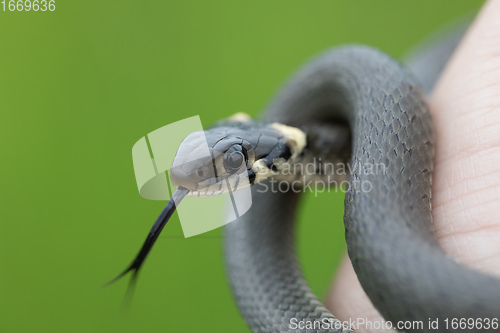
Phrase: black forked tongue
(155,231)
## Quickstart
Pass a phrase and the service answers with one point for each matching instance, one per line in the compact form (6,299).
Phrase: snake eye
(234,158)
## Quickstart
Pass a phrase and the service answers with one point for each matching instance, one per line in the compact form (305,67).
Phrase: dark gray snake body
(352,104)
(389,230)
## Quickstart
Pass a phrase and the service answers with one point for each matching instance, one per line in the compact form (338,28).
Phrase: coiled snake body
(389,230)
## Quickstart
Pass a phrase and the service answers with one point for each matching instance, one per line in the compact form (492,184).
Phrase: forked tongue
(155,231)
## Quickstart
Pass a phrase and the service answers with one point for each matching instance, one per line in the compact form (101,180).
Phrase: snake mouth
(202,178)
(221,185)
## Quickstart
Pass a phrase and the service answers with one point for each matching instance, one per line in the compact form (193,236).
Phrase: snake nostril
(200,173)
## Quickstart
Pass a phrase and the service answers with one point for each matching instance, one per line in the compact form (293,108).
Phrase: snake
(353,105)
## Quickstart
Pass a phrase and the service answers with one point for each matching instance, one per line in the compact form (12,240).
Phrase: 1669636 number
(28,5)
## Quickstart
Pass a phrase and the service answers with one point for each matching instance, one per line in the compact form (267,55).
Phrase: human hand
(465,106)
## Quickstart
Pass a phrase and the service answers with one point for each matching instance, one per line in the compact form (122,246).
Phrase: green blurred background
(80,85)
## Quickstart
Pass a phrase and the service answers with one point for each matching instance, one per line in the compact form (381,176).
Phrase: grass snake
(355,105)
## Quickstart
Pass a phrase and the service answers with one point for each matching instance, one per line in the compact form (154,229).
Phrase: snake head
(231,156)
(234,155)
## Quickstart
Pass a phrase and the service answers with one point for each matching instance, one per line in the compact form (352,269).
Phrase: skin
(465,106)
